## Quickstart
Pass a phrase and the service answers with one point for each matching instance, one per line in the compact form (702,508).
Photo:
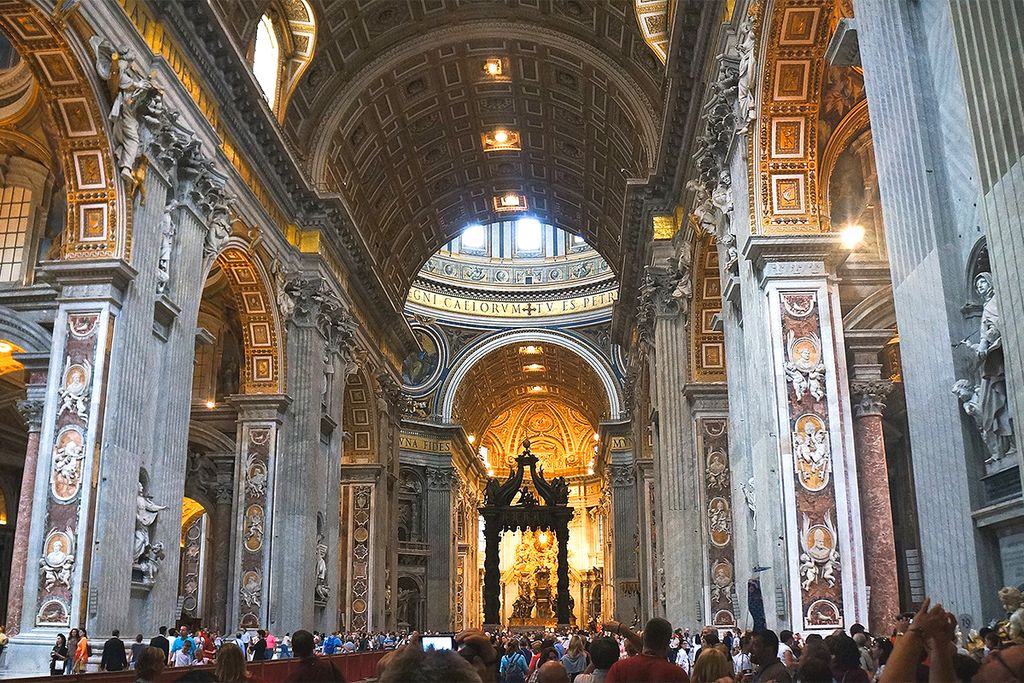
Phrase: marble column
(875,507)
(440,566)
(220,572)
(31,410)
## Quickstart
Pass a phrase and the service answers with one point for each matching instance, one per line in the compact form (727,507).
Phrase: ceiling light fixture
(494,67)
(510,201)
(472,438)
(501,140)
(537,389)
(531,350)
(211,405)
(533,367)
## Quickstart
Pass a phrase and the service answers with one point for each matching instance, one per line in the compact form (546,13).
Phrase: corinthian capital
(869,396)
(32,413)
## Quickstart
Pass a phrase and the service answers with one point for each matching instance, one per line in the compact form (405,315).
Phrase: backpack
(515,669)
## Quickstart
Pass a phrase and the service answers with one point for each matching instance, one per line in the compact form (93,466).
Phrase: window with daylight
(266,59)
(474,239)
(15,207)
(529,236)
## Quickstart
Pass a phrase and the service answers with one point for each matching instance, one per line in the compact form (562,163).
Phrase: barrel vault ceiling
(390,113)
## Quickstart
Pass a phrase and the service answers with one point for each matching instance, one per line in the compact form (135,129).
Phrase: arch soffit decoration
(98,219)
(210,439)
(559,175)
(788,197)
(359,418)
(655,19)
(264,371)
(470,356)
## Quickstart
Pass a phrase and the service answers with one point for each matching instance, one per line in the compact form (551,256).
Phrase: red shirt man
(652,665)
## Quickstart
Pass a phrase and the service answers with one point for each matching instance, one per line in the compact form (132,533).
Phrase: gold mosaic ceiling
(498,381)
(391,111)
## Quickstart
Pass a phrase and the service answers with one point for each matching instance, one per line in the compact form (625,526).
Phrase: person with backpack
(513,666)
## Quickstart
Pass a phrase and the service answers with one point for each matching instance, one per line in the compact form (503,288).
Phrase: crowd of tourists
(926,646)
(184,647)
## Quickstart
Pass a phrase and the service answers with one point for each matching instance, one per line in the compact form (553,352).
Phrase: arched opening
(266,59)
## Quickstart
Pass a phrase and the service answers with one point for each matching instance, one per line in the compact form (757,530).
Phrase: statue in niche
(167,232)
(322,590)
(74,394)
(147,556)
(986,400)
(405,598)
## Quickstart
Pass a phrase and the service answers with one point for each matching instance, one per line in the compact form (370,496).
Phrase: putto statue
(985,399)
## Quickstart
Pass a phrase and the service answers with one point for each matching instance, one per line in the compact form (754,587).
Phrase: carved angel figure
(819,557)
(66,462)
(812,452)
(250,590)
(57,565)
(135,100)
(74,395)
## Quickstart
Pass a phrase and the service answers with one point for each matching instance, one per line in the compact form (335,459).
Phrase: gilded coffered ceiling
(507,377)
(390,114)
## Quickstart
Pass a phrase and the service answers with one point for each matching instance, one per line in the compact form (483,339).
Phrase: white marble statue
(145,517)
(746,72)
(985,401)
(323,591)
(74,394)
(56,566)
(135,100)
(803,369)
(1012,600)
(167,232)
(219,228)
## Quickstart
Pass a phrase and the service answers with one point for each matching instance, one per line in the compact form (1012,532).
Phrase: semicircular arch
(262,341)
(589,355)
